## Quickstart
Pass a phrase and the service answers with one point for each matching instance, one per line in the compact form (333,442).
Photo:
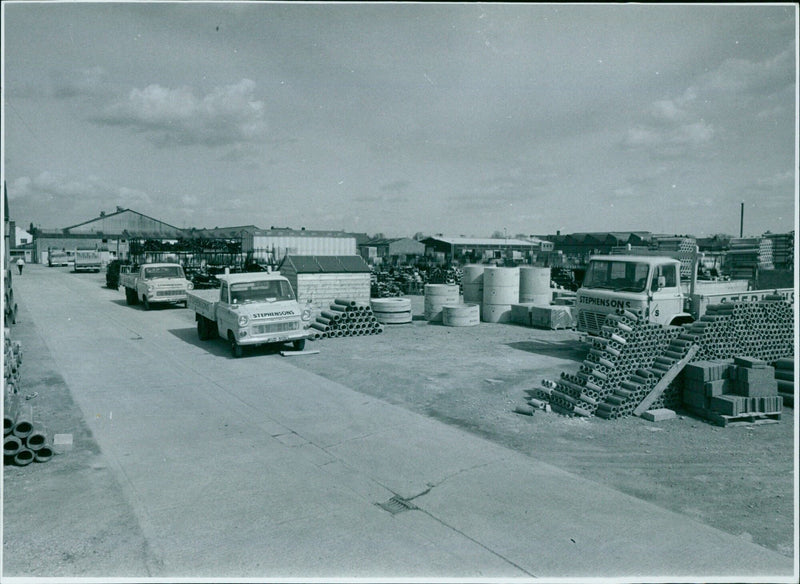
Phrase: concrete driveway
(253,467)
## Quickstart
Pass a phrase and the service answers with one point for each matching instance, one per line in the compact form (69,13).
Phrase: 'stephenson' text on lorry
(651,286)
(154,284)
(254,308)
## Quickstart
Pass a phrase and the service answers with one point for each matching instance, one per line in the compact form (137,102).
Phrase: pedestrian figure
(20,265)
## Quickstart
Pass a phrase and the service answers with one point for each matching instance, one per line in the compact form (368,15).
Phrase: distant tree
(379,236)
(419,236)
(498,234)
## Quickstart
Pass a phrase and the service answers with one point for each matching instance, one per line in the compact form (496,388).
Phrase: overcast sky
(462,119)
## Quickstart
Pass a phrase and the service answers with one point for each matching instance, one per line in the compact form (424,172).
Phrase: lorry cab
(648,286)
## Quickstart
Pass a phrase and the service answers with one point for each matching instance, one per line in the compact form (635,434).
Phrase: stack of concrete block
(552,317)
(784,376)
(726,391)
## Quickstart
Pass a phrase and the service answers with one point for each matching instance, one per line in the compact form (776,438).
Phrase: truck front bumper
(159,296)
(253,336)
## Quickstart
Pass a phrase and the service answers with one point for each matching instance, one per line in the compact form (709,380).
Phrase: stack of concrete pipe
(763,330)
(472,283)
(345,318)
(534,286)
(437,296)
(500,292)
(632,355)
(24,441)
(392,310)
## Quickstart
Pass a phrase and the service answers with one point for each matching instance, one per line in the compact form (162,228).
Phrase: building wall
(323,289)
(298,245)
(42,243)
(406,247)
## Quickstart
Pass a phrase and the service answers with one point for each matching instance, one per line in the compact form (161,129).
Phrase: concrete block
(718,387)
(696,400)
(705,370)
(750,362)
(765,388)
(729,405)
(757,375)
(658,415)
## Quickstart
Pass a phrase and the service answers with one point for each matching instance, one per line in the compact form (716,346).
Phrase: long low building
(476,250)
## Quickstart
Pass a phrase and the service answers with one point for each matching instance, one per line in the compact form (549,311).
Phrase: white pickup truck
(154,283)
(255,308)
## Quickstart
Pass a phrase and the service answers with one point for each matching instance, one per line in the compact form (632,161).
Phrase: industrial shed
(274,244)
(477,250)
(397,250)
(322,279)
(110,232)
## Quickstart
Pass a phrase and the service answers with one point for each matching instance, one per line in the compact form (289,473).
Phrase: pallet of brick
(521,313)
(753,378)
(552,317)
(704,380)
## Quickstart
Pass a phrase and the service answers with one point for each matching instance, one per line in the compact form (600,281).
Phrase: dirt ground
(738,478)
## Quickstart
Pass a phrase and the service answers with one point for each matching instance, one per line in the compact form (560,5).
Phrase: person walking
(20,265)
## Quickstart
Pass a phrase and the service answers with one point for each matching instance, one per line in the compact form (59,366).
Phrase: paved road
(254,468)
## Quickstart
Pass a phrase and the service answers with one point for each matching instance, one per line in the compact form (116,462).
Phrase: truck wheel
(236,348)
(299,344)
(202,329)
(146,302)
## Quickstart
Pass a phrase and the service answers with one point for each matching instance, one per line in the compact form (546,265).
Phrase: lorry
(87,260)
(252,308)
(156,283)
(651,286)
(57,257)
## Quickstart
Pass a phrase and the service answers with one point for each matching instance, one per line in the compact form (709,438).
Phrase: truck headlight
(150,289)
(306,314)
(243,320)
(190,285)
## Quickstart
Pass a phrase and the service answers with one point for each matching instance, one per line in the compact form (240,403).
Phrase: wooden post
(664,382)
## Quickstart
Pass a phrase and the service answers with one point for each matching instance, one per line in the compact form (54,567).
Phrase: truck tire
(236,348)
(202,328)
(299,344)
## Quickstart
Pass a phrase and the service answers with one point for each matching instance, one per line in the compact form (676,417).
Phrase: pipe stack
(345,318)
(24,440)
(762,329)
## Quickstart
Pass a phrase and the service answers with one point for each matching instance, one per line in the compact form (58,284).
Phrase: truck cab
(648,286)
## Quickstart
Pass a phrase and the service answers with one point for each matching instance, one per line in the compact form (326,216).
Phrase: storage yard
(120,385)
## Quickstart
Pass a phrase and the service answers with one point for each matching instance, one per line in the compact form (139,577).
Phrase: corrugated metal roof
(326,264)
(484,242)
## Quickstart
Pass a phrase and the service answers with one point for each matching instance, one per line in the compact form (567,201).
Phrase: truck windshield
(261,291)
(163,272)
(619,276)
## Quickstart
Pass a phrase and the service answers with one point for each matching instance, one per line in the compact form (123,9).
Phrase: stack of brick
(345,318)
(725,390)
(784,377)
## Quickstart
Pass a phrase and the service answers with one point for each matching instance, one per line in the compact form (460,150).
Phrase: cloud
(396,186)
(91,81)
(61,191)
(226,116)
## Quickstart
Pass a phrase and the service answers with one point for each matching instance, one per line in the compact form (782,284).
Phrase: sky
(461,119)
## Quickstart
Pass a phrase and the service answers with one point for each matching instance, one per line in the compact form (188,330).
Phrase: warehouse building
(272,245)
(467,249)
(110,233)
(399,250)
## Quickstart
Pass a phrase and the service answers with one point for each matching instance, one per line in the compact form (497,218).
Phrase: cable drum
(461,315)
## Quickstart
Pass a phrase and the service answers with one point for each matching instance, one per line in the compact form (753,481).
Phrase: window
(670,276)
(261,291)
(164,272)
(620,276)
